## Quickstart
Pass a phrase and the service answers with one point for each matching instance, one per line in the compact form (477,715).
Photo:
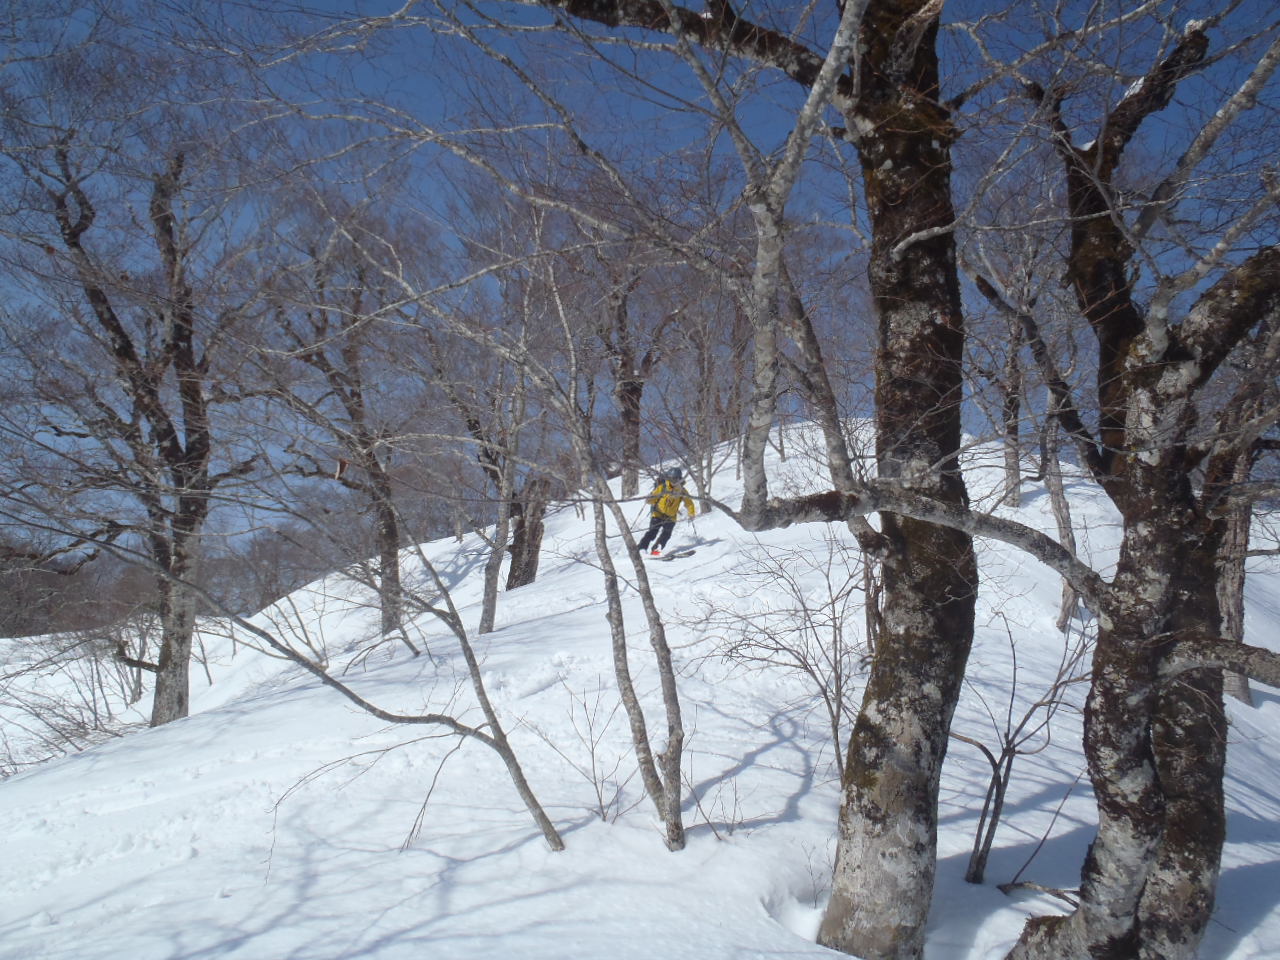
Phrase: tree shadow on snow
(960,909)
(1246,893)
(704,797)
(298,911)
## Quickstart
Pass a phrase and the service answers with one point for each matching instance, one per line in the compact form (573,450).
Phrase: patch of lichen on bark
(930,581)
(869,746)
(832,505)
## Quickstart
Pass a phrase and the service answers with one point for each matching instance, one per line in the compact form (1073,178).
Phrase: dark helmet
(675,473)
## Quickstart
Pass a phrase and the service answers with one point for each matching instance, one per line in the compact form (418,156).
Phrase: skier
(664,505)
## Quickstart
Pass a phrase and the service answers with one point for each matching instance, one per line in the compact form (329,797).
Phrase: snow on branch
(1149,95)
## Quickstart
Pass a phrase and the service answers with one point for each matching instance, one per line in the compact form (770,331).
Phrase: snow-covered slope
(278,821)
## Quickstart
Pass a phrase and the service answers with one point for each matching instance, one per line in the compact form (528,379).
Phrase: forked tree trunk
(1117,738)
(1155,751)
(1189,738)
(885,860)
(172,477)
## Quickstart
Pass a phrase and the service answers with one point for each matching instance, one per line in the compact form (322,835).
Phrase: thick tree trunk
(885,866)
(526,535)
(172,698)
(885,861)
(1156,752)
(1190,749)
(172,478)
(1117,736)
(1189,737)
(493,566)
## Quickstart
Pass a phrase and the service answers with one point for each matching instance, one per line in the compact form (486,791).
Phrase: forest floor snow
(280,822)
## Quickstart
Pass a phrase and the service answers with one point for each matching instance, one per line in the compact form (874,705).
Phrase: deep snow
(276,821)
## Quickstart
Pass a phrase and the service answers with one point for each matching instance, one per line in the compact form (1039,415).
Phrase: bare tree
(495,415)
(337,316)
(929,572)
(1174,274)
(146,432)
(795,609)
(121,199)
(564,382)
(1150,374)
(502,419)
(1029,733)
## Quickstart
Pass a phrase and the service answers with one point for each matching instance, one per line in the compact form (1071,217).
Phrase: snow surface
(277,821)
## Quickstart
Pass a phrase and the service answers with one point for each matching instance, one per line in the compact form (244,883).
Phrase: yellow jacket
(666,499)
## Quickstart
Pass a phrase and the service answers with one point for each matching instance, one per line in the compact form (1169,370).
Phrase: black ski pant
(660,527)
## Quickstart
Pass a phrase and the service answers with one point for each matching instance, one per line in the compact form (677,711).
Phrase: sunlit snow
(276,821)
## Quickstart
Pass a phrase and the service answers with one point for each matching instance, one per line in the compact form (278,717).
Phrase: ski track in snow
(274,823)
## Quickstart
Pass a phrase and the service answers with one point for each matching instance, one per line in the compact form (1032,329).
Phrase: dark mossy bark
(1155,747)
(885,864)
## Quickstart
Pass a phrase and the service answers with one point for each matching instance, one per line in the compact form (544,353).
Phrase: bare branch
(720,30)
(835,506)
(1066,408)
(1248,295)
(1244,98)
(1218,653)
